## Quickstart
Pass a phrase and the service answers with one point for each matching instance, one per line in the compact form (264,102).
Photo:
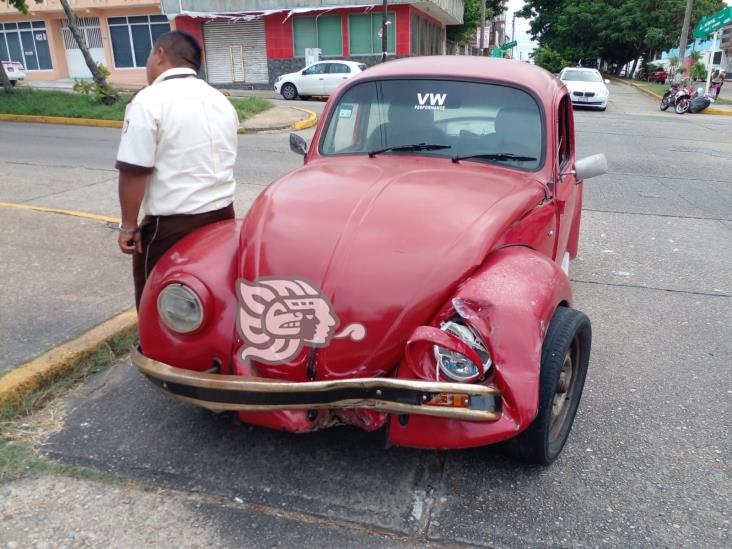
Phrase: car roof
(469,67)
(582,69)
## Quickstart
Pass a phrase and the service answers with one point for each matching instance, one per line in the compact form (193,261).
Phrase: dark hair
(181,48)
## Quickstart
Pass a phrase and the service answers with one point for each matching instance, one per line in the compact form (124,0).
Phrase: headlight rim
(483,369)
(200,294)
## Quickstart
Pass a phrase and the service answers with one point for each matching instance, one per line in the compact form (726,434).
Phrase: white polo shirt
(183,133)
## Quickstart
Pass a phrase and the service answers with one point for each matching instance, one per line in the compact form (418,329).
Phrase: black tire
(13,82)
(664,105)
(566,347)
(306,97)
(289,91)
(682,105)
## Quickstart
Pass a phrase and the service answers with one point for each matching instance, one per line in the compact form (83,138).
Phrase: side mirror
(591,166)
(607,81)
(298,144)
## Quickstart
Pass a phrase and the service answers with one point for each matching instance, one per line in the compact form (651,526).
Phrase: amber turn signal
(449,400)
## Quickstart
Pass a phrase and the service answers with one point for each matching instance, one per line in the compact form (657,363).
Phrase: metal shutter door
(223,40)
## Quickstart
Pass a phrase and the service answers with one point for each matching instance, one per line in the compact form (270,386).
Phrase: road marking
(75,213)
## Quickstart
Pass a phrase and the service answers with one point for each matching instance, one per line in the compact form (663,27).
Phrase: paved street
(646,465)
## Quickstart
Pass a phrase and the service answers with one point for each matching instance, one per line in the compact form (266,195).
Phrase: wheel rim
(564,390)
(289,91)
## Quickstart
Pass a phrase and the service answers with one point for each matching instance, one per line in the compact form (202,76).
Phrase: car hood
(575,85)
(385,240)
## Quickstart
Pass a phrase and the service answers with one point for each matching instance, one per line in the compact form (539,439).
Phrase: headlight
(278,79)
(457,366)
(604,93)
(180,308)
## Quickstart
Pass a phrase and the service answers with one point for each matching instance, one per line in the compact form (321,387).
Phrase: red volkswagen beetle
(411,275)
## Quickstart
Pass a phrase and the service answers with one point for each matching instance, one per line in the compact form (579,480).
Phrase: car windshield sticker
(346,111)
(430,101)
(279,316)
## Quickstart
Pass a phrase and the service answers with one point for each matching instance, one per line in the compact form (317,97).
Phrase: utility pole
(513,32)
(384,42)
(685,32)
(482,26)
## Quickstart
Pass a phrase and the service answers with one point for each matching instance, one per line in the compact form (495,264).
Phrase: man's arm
(131,191)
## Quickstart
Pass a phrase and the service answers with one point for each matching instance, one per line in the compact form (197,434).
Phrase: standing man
(176,157)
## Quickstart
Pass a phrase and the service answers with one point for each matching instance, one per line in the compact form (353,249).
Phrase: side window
(338,68)
(315,69)
(564,132)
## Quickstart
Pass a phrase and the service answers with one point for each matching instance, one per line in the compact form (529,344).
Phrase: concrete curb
(61,359)
(309,122)
(708,110)
(61,120)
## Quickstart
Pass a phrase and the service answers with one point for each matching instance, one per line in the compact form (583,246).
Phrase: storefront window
(322,32)
(26,43)
(364,30)
(133,37)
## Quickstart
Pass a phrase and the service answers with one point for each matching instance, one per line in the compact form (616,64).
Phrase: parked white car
(586,87)
(15,71)
(320,78)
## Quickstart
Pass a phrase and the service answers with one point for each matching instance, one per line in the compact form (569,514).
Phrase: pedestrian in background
(176,156)
(716,83)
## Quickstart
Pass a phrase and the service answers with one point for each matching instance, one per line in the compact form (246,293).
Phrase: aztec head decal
(279,316)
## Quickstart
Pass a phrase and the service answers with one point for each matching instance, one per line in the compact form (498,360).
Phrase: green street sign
(509,45)
(496,52)
(707,25)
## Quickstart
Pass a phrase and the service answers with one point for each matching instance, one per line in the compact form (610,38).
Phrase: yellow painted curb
(74,213)
(309,122)
(63,358)
(61,120)
(708,110)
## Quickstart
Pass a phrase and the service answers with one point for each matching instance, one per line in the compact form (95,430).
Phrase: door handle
(321,78)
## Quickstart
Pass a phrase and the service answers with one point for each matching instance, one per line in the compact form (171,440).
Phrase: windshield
(581,76)
(463,118)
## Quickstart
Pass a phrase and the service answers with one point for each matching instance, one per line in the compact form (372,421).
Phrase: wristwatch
(128,232)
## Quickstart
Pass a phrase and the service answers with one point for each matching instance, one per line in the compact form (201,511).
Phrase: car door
(311,79)
(334,75)
(566,189)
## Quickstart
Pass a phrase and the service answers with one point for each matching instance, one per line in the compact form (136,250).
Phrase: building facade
(248,43)
(118,33)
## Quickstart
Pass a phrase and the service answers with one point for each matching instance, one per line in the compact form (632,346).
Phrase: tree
(97,75)
(99,78)
(549,59)
(471,19)
(619,31)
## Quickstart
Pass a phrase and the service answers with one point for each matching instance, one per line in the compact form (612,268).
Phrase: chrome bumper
(400,396)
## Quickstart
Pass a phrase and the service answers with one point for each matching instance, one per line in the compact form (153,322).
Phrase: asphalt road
(646,465)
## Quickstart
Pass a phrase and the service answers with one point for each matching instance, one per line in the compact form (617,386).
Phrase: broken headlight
(456,366)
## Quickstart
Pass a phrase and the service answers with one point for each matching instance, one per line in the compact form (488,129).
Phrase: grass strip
(75,105)
(18,456)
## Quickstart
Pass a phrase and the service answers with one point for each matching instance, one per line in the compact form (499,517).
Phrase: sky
(525,44)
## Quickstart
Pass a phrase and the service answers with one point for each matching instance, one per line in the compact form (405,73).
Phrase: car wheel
(565,357)
(289,91)
(13,82)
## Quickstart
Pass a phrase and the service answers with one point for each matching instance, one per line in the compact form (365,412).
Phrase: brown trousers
(159,232)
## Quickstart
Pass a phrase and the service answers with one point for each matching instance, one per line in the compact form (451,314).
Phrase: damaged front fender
(510,301)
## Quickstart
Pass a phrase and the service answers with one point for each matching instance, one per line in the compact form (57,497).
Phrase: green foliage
(79,105)
(465,33)
(549,59)
(103,94)
(616,30)
(698,71)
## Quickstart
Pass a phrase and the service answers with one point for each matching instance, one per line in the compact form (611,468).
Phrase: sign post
(707,26)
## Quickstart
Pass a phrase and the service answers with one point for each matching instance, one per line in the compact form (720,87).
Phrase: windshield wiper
(494,156)
(415,147)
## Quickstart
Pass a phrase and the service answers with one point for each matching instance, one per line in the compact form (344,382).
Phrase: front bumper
(218,392)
